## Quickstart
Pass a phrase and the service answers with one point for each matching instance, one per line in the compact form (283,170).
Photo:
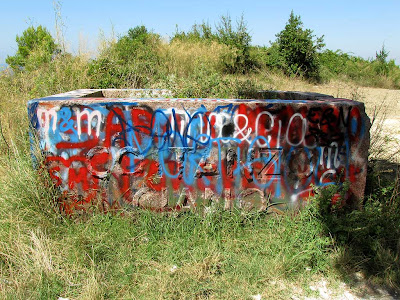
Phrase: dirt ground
(376,99)
(372,97)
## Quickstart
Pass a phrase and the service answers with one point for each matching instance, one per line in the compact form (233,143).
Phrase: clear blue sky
(357,27)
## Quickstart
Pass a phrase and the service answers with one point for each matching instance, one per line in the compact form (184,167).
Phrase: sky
(356,27)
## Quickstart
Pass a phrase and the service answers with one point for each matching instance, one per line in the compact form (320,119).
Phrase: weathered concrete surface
(162,153)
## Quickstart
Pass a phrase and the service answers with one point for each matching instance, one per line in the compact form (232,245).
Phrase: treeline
(203,61)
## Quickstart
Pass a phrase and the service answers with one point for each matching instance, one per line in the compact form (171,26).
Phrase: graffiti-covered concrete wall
(123,151)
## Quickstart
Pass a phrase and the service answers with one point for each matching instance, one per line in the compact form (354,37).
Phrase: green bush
(343,66)
(298,49)
(37,41)
(274,58)
(198,32)
(382,67)
(367,238)
(236,37)
(131,62)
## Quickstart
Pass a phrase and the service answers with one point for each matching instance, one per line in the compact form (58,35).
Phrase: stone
(121,149)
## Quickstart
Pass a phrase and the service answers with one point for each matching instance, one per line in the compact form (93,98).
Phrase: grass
(219,255)
(146,255)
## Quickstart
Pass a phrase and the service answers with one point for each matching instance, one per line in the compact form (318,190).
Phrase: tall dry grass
(184,58)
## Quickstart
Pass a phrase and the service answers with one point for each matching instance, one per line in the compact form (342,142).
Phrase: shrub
(236,37)
(370,236)
(382,66)
(133,61)
(343,66)
(274,58)
(33,40)
(298,49)
(199,32)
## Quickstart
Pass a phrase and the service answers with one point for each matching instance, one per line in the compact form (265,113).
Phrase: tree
(237,37)
(32,40)
(298,48)
(382,66)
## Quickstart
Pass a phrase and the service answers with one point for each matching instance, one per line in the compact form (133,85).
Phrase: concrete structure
(117,150)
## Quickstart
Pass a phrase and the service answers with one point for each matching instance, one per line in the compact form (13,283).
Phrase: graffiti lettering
(135,155)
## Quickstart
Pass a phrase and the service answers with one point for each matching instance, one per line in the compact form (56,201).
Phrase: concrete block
(115,149)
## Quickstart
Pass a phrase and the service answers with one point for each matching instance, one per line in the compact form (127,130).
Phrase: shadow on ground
(368,239)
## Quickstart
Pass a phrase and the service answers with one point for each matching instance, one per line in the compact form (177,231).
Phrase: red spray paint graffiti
(174,153)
